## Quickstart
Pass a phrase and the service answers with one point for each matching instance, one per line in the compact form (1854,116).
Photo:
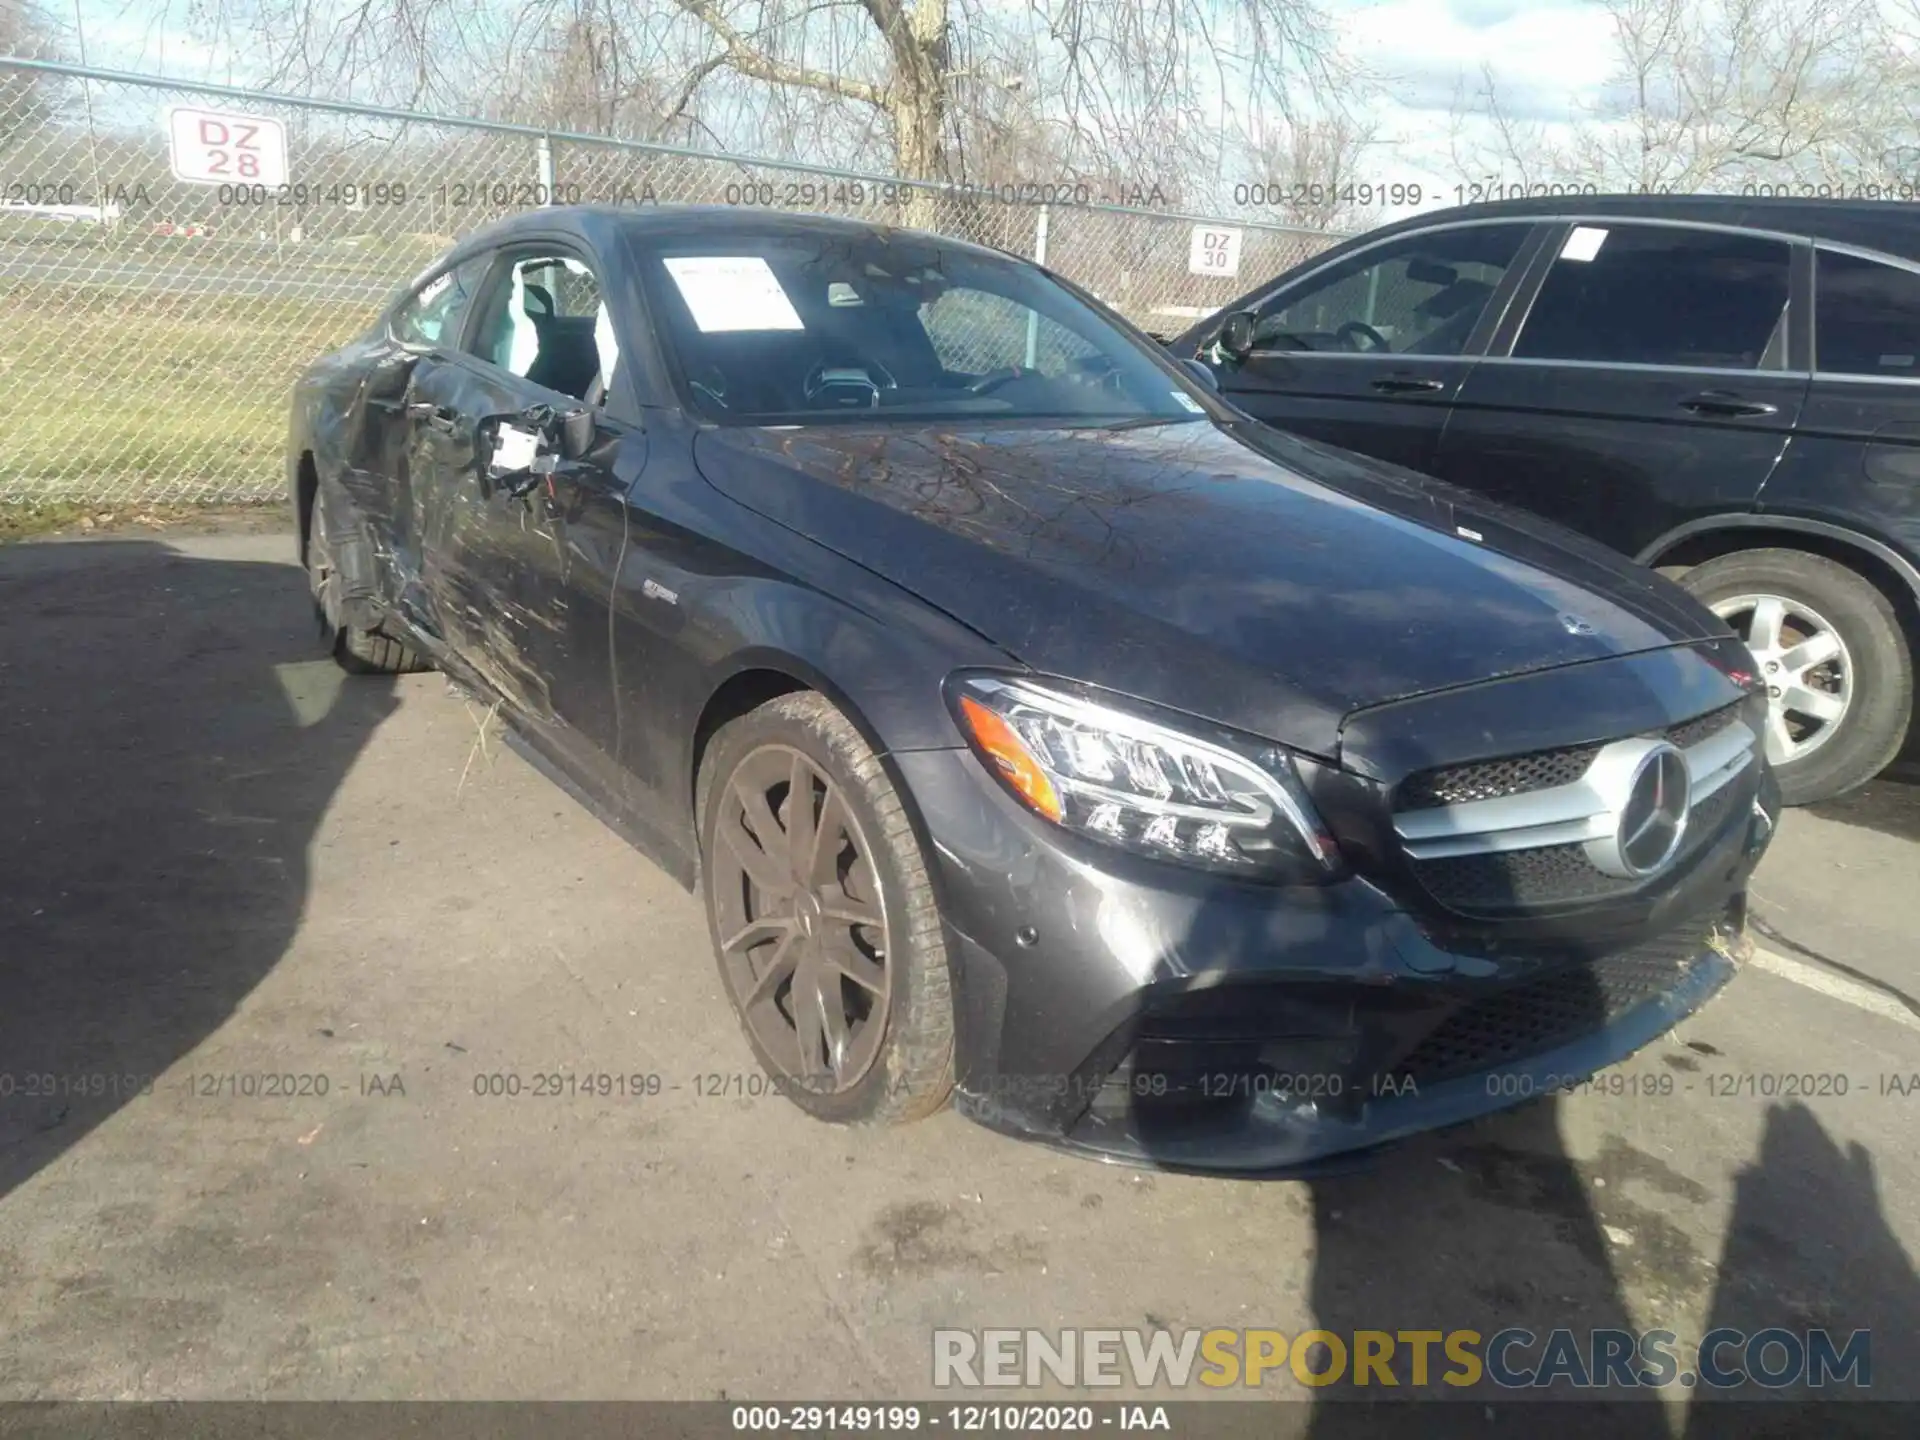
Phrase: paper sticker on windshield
(1584,243)
(1187,400)
(733,292)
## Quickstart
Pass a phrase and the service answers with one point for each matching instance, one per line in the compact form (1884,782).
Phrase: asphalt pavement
(220,858)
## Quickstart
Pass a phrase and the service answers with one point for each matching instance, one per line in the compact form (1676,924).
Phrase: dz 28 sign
(220,147)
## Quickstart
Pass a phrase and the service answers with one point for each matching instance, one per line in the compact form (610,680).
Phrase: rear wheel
(1828,646)
(823,917)
(357,650)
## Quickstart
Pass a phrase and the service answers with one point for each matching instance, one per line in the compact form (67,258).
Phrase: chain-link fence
(151,327)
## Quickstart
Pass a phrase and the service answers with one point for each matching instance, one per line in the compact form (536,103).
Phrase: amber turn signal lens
(999,740)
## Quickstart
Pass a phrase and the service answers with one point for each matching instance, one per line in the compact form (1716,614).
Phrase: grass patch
(155,396)
(24,522)
(70,518)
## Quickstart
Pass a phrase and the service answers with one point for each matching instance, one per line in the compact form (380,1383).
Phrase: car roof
(676,223)
(1890,226)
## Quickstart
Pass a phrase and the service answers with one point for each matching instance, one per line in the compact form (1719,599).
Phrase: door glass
(1660,295)
(546,321)
(429,316)
(1418,296)
(1867,317)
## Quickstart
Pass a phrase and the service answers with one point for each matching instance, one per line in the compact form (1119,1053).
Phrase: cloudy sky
(1547,58)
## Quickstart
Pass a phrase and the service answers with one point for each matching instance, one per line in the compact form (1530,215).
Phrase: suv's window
(1866,317)
(429,315)
(1419,296)
(1660,295)
(544,319)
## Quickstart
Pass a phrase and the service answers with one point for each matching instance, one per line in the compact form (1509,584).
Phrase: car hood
(1262,581)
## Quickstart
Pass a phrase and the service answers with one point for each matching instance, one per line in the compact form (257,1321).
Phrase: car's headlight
(1200,796)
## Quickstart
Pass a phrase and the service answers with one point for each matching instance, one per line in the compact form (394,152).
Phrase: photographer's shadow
(171,733)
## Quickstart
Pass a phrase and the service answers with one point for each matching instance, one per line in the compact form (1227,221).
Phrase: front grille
(1534,1016)
(1689,733)
(1494,779)
(1541,770)
(1517,879)
(1507,880)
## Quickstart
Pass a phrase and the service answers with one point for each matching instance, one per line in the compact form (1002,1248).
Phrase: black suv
(1725,388)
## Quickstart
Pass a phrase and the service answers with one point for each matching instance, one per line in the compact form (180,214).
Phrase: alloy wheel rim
(803,930)
(1804,664)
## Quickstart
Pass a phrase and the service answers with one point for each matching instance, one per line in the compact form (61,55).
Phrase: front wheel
(823,916)
(356,650)
(1829,648)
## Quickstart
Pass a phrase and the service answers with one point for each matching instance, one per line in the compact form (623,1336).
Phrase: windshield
(801,329)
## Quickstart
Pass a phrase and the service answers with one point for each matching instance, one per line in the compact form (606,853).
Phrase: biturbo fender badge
(1575,624)
(1647,785)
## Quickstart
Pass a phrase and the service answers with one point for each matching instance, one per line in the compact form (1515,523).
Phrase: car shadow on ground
(1889,803)
(171,734)
(1509,1231)
(1501,1225)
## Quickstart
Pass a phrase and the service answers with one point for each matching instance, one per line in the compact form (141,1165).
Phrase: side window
(1866,317)
(545,320)
(974,332)
(1660,295)
(431,315)
(1419,296)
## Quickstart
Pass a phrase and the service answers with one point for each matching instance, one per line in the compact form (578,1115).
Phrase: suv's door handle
(1407,385)
(1721,402)
(438,416)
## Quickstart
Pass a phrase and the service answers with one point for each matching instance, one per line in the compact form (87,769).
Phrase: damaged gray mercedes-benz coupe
(1040,733)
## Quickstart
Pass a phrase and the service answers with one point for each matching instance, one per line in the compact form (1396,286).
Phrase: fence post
(1033,316)
(545,164)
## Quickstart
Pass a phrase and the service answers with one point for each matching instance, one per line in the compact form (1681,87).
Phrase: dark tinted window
(1653,295)
(431,315)
(1418,296)
(777,326)
(1867,317)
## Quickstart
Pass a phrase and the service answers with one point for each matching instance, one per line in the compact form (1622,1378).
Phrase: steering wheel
(856,372)
(1376,341)
(1097,372)
(994,379)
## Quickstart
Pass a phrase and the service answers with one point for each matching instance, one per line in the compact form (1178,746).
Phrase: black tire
(356,650)
(371,652)
(910,1073)
(1869,735)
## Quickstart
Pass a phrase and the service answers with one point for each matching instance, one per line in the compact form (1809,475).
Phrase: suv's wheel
(357,650)
(823,917)
(1830,649)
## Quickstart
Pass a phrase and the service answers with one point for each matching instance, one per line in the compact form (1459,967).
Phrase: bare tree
(909,84)
(26,97)
(1313,173)
(1705,94)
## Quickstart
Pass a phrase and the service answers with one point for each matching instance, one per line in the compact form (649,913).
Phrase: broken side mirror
(575,433)
(1235,340)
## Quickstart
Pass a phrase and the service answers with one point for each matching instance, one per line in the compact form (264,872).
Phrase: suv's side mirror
(1235,340)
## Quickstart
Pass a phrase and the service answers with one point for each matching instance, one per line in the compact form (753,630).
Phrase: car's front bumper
(1156,1016)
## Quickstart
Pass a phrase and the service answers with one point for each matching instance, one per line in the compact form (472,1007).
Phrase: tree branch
(743,59)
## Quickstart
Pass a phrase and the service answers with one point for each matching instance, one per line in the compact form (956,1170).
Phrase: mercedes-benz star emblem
(1655,815)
